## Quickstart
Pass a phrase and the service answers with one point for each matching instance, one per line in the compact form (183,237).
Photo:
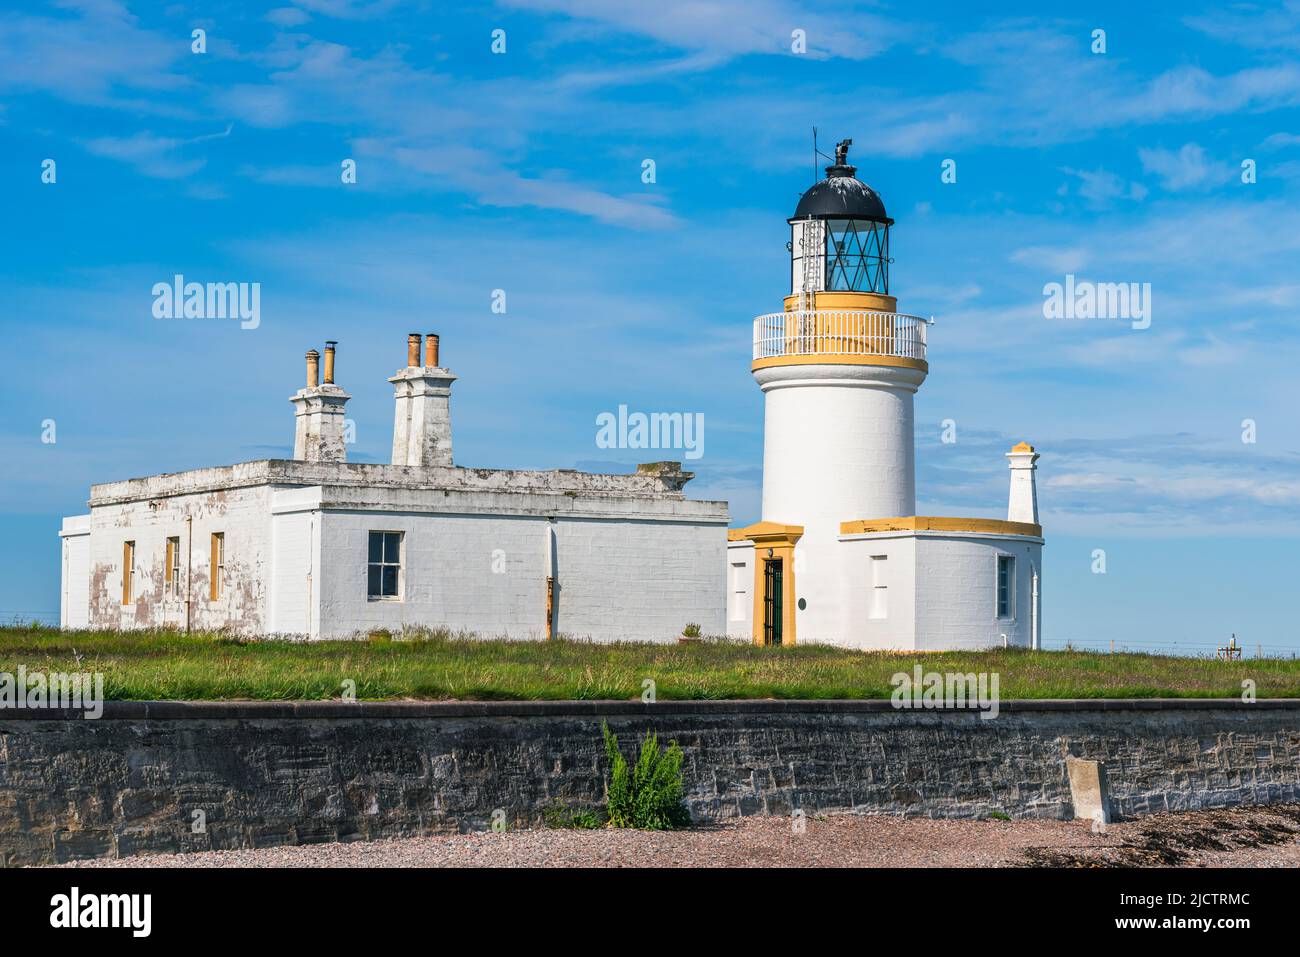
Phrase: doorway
(773,612)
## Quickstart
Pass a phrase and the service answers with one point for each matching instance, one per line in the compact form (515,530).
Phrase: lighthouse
(838,553)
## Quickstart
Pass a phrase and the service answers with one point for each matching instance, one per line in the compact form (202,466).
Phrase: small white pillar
(1023,503)
(319,417)
(422,421)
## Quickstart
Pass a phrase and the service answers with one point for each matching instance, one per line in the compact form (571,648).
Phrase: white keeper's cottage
(321,547)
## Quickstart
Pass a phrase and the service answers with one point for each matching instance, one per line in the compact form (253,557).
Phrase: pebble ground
(1251,837)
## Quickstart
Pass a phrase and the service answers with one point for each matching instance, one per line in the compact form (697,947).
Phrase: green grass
(441,666)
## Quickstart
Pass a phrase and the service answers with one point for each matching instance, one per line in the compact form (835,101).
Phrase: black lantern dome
(841,195)
(842,222)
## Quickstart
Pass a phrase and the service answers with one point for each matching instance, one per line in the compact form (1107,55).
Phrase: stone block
(1089,790)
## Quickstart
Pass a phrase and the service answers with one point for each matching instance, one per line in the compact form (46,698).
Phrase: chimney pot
(431,350)
(329,361)
(413,349)
(313,369)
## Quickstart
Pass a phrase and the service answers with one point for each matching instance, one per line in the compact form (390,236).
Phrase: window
(857,255)
(385,568)
(879,590)
(739,576)
(172,569)
(217,561)
(1006,586)
(128,571)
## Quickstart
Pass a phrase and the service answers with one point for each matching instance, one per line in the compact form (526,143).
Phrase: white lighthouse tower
(838,554)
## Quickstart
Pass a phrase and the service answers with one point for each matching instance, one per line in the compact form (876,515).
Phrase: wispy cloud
(736,27)
(1185,168)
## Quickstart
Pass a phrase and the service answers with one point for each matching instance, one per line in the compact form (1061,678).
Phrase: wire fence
(1189,647)
(11,617)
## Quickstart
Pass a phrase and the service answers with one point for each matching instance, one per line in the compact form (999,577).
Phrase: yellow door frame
(772,540)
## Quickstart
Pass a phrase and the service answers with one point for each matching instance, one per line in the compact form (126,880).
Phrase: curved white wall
(837,443)
(940,592)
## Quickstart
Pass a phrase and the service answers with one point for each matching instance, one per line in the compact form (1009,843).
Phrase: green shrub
(650,795)
(691,631)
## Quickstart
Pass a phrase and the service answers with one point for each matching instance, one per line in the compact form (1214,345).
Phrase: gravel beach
(1250,837)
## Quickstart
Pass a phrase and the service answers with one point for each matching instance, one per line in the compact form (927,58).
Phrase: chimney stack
(422,422)
(318,413)
(1023,504)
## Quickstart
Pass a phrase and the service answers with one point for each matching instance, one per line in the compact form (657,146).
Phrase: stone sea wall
(153,777)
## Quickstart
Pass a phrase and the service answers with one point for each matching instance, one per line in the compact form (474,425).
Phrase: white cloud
(1188,168)
(1053,259)
(1100,187)
(287,17)
(733,27)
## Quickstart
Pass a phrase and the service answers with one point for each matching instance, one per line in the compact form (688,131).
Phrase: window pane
(392,547)
(376,546)
(1005,571)
(390,580)
(372,584)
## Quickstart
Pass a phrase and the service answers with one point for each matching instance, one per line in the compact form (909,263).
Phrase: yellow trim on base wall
(932,523)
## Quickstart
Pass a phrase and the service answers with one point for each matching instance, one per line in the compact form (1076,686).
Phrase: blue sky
(522,171)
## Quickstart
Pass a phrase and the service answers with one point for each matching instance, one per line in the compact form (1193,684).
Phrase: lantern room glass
(857,256)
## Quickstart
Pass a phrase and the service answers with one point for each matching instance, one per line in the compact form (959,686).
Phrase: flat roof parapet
(662,480)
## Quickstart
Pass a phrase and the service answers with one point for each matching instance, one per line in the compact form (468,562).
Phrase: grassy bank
(167,665)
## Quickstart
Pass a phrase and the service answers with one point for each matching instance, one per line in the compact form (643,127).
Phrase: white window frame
(172,574)
(217,573)
(400,564)
(740,575)
(1011,587)
(128,573)
(878,601)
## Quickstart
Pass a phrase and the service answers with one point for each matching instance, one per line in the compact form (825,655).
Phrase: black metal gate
(772,609)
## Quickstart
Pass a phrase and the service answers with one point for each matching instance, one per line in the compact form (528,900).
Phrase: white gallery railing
(840,333)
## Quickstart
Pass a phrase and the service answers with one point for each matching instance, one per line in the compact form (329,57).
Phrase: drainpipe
(1034,637)
(550,579)
(311,568)
(189,565)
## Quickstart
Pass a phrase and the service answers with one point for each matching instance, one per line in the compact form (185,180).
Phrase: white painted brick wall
(617,579)
(74,597)
(292,608)
(740,590)
(640,564)
(956,582)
